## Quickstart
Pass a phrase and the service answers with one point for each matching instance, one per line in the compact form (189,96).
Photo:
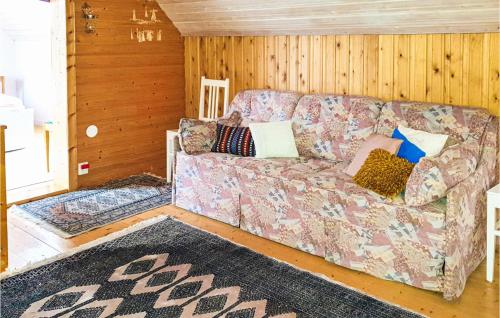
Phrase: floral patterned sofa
(310,204)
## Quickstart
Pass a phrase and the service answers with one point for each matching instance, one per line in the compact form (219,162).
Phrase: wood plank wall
(131,91)
(459,69)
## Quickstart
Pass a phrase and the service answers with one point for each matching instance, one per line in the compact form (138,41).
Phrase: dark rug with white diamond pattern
(169,269)
(80,211)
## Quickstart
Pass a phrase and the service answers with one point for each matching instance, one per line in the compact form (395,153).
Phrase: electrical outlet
(83,168)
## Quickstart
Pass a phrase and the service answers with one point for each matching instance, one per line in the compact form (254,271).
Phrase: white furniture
(19,119)
(212,111)
(214,87)
(171,134)
(493,230)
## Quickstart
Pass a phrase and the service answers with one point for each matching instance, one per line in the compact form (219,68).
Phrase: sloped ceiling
(25,19)
(267,17)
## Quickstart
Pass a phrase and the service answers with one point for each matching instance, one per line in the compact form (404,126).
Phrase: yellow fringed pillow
(384,173)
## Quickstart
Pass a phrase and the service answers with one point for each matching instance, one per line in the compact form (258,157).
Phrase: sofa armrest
(466,219)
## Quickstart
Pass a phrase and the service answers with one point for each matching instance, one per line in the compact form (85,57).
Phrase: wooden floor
(29,243)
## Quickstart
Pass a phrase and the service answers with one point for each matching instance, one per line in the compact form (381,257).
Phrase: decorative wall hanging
(145,31)
(89,16)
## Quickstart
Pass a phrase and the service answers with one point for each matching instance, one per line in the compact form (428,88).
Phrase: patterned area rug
(169,269)
(80,211)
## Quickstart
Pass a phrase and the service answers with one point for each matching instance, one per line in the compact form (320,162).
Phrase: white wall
(8,63)
(25,55)
(34,72)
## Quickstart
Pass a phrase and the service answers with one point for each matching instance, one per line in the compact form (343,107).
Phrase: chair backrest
(214,87)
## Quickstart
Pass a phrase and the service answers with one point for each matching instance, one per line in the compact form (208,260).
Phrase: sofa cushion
(459,123)
(264,105)
(334,126)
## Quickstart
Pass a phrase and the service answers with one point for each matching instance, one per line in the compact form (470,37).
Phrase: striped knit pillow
(234,140)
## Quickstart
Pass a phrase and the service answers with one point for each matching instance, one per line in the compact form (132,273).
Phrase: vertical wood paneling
(475,69)
(435,66)
(459,69)
(282,63)
(329,63)
(342,64)
(293,65)
(418,67)
(453,68)
(304,63)
(271,69)
(259,62)
(386,64)
(248,62)
(370,70)
(356,64)
(494,74)
(401,67)
(316,65)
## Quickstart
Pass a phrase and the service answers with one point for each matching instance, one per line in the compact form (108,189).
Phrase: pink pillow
(373,142)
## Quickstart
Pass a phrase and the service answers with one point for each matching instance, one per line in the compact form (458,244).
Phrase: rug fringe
(319,275)
(32,265)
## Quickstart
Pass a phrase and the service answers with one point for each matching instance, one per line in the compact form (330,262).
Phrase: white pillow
(431,144)
(274,140)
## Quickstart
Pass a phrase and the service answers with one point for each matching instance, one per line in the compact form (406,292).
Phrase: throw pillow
(234,120)
(408,150)
(418,143)
(384,173)
(371,143)
(234,140)
(196,136)
(432,177)
(274,140)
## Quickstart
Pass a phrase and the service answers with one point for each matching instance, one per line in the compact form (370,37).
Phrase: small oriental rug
(80,211)
(169,269)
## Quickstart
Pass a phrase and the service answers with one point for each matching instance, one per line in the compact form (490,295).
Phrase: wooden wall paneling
(370,61)
(271,70)
(435,65)
(304,81)
(248,63)
(188,69)
(293,63)
(316,65)
(475,69)
(282,62)
(494,75)
(485,70)
(342,64)
(328,63)
(356,64)
(386,64)
(460,69)
(453,68)
(401,67)
(418,67)
(133,91)
(259,62)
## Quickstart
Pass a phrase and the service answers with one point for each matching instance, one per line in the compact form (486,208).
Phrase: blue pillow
(408,150)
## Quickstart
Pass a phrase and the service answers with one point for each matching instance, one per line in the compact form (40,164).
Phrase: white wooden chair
(214,87)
